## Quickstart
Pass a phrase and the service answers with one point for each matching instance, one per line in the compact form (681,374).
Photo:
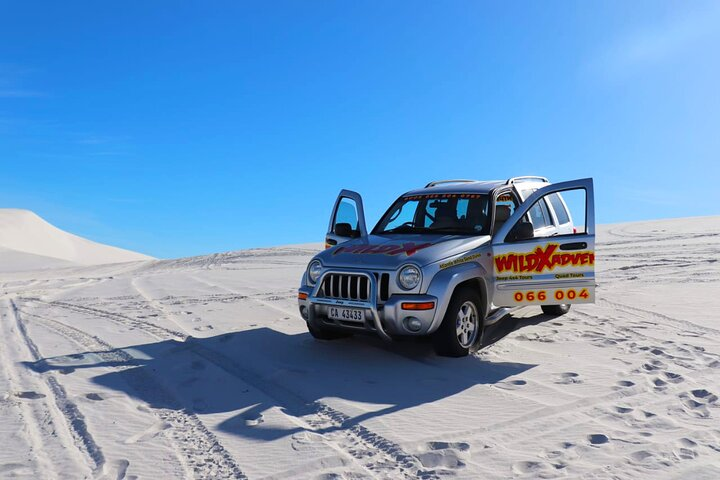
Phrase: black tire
(447,340)
(556,310)
(320,333)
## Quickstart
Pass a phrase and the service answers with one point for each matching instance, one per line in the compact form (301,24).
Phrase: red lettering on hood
(408,248)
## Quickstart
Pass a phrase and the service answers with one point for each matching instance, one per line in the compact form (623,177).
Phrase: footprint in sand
(641,456)
(535,469)
(696,402)
(598,439)
(568,378)
(685,449)
(704,395)
(462,446)
(253,419)
(443,454)
(149,433)
(660,352)
(116,469)
(30,395)
(564,452)
(653,365)
(625,384)
(511,384)
(672,377)
(659,383)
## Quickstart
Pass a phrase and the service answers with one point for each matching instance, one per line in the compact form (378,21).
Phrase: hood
(386,252)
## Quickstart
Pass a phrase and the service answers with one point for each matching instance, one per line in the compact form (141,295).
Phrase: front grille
(354,287)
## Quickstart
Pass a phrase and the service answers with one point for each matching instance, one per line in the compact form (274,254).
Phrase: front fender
(444,283)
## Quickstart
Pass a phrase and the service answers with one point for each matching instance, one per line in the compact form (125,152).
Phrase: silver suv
(452,258)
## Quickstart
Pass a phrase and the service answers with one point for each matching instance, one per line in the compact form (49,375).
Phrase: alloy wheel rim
(466,324)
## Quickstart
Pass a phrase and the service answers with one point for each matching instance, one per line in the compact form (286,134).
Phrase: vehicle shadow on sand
(251,372)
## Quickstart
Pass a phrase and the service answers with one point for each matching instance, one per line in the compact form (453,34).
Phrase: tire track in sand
(336,427)
(197,449)
(74,419)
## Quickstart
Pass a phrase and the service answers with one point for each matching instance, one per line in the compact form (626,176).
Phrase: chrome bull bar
(369,304)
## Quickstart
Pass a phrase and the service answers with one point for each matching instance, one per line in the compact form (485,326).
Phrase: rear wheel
(321,333)
(556,310)
(461,330)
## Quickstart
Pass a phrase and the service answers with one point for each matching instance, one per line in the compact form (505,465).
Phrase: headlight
(409,277)
(313,271)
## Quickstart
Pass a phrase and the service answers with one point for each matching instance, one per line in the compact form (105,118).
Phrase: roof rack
(528,178)
(440,182)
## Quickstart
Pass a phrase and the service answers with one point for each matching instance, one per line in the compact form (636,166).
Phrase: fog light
(304,312)
(413,324)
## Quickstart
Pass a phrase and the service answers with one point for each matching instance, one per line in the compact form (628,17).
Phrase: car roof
(474,186)
(478,186)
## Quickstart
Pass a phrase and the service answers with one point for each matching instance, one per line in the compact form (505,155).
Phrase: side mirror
(344,230)
(521,231)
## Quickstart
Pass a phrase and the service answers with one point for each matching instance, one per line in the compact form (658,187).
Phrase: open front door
(347,220)
(552,265)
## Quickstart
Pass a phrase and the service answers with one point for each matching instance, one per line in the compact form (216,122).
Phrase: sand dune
(202,368)
(40,245)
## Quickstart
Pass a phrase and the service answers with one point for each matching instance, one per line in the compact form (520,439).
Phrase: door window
(559,207)
(571,220)
(346,217)
(539,215)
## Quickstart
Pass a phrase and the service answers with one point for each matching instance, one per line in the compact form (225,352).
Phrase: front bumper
(385,320)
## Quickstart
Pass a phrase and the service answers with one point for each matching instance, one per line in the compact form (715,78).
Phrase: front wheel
(556,310)
(461,330)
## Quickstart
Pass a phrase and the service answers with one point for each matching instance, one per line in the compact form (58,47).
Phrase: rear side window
(559,208)
(539,215)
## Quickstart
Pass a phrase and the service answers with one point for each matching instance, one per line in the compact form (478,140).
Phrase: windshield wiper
(451,230)
(406,229)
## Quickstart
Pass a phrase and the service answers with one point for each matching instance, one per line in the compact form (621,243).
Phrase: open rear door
(347,220)
(550,270)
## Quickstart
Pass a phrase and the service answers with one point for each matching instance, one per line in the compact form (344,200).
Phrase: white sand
(202,367)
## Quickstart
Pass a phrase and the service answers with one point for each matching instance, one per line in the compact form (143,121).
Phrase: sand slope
(201,367)
(41,245)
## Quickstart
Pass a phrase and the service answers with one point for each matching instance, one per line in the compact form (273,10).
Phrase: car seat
(446,216)
(502,213)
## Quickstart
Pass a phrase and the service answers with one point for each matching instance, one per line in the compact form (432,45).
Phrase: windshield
(448,214)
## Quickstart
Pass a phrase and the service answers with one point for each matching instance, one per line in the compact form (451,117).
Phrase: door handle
(331,241)
(573,246)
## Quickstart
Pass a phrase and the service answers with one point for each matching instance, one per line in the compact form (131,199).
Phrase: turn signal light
(417,305)
(302,296)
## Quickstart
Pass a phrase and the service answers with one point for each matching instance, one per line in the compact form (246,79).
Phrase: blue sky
(182,128)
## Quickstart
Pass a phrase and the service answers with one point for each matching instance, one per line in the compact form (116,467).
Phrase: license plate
(348,314)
